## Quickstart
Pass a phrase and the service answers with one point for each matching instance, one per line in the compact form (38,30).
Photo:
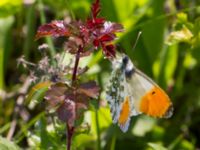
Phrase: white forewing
(139,84)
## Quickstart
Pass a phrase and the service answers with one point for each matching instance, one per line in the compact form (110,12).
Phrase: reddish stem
(70,131)
(76,64)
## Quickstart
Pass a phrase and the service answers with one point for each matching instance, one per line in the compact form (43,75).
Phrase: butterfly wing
(148,97)
(115,92)
(119,99)
(131,92)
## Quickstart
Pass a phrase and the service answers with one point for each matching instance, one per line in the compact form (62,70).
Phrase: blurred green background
(168,51)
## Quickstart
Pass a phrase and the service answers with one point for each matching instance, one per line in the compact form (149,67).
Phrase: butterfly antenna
(138,36)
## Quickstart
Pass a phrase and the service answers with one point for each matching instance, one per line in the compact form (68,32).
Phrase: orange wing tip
(156,103)
(124,116)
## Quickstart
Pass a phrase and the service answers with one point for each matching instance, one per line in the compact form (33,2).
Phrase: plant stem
(76,64)
(70,132)
(113,142)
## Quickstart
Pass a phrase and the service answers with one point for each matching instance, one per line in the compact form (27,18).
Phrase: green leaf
(104,120)
(141,128)
(165,66)
(182,17)
(196,41)
(181,143)
(5,26)
(156,146)
(183,35)
(7,145)
(8,7)
(37,91)
(84,140)
(153,30)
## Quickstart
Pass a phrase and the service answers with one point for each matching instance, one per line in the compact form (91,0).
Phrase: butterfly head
(124,63)
(127,66)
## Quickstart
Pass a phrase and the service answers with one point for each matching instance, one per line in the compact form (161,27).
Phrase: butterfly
(130,93)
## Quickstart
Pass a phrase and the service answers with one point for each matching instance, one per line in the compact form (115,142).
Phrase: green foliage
(37,91)
(7,145)
(168,51)
(8,8)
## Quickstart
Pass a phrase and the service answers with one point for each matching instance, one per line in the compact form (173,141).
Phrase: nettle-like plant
(71,97)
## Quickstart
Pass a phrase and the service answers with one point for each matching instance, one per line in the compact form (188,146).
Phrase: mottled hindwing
(119,99)
(115,93)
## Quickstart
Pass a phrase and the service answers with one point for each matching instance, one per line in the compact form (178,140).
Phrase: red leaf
(55,28)
(95,23)
(55,95)
(90,89)
(107,37)
(96,42)
(67,112)
(109,50)
(70,102)
(95,9)
(103,38)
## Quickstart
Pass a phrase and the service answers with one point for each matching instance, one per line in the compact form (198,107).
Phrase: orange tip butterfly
(131,92)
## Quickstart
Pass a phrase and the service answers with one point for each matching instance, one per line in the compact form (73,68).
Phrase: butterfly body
(131,93)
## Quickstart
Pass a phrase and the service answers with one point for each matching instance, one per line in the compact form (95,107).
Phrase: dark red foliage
(90,89)
(109,50)
(55,29)
(102,39)
(67,112)
(55,95)
(95,9)
(90,35)
(95,23)
(69,101)
(83,38)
